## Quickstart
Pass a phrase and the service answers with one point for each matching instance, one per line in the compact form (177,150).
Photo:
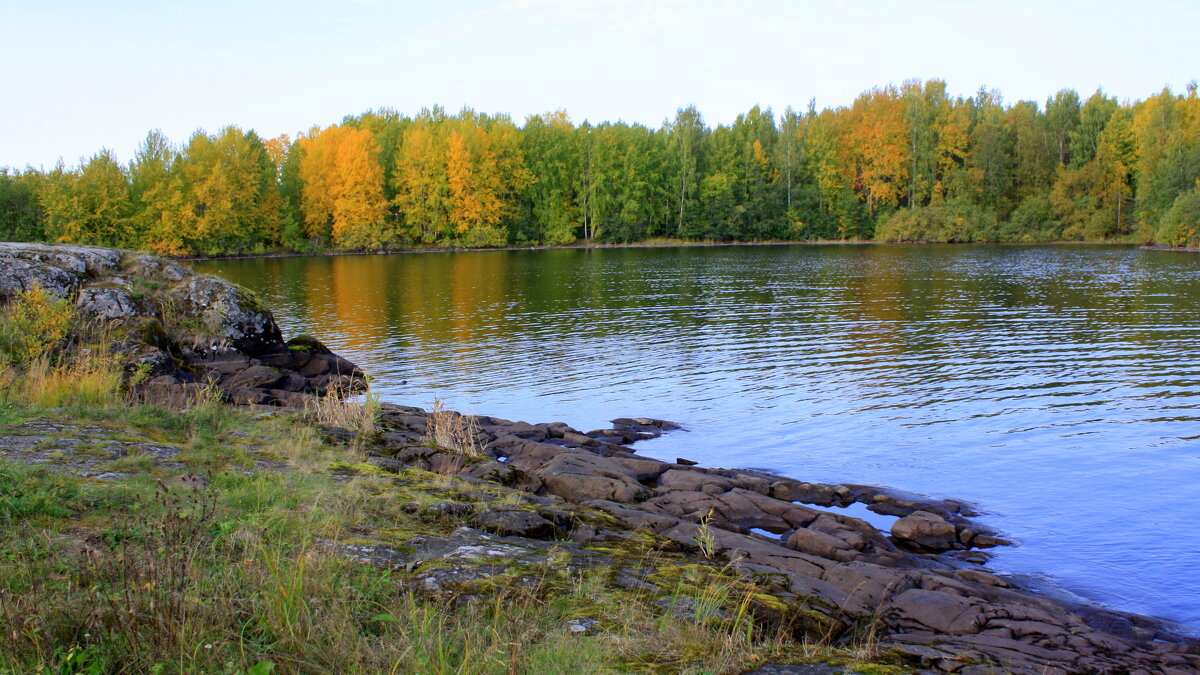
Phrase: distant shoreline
(666,243)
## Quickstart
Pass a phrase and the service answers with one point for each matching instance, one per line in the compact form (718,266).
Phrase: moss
(306,343)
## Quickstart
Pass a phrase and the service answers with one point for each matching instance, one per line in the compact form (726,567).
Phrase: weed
(335,410)
(705,538)
(452,431)
(132,464)
(28,491)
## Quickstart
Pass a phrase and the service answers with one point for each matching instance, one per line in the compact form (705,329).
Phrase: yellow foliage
(874,148)
(343,188)
(457,178)
(34,324)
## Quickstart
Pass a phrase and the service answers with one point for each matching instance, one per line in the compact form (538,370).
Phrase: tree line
(907,163)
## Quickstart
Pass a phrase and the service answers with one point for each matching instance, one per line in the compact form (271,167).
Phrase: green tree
(21,216)
(551,147)
(150,182)
(91,205)
(687,136)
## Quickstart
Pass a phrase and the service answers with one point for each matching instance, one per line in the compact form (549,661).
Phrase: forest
(907,163)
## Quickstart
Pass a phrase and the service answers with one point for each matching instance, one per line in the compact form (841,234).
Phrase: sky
(80,75)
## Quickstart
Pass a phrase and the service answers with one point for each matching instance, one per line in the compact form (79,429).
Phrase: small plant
(335,410)
(33,325)
(705,538)
(453,431)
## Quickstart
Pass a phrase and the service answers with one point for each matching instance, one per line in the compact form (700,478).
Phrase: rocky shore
(179,331)
(922,590)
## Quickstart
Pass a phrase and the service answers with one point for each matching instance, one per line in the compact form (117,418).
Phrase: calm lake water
(1056,387)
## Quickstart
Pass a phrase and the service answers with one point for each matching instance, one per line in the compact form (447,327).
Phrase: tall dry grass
(453,431)
(359,414)
(51,358)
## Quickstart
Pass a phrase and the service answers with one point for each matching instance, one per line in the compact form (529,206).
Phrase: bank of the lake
(661,242)
(1066,371)
(370,534)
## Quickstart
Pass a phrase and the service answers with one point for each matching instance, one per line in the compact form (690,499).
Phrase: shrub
(33,324)
(1181,225)
(37,370)
(955,221)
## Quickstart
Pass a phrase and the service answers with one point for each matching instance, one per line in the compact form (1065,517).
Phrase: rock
(388,464)
(21,275)
(925,530)
(229,313)
(451,509)
(516,523)
(180,328)
(984,578)
(929,610)
(802,669)
(578,439)
(817,543)
(581,626)
(107,303)
(810,493)
(685,462)
(579,476)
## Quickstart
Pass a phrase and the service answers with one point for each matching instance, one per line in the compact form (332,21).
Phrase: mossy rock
(307,343)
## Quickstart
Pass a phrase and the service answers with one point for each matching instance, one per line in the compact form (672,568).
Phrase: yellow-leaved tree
(342,196)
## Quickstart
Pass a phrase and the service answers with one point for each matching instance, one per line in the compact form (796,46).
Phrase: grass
(245,575)
(453,431)
(334,409)
(131,577)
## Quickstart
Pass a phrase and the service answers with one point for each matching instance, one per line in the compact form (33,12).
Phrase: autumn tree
(875,148)
(224,197)
(342,188)
(90,205)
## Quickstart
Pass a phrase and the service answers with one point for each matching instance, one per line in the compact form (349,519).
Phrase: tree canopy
(906,163)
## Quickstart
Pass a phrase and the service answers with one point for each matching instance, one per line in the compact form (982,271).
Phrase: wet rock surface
(180,332)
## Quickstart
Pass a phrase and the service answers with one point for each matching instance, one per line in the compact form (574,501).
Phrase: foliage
(32,325)
(21,214)
(382,180)
(36,370)
(952,222)
(1181,225)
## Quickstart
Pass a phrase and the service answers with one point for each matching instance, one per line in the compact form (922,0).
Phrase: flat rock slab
(81,449)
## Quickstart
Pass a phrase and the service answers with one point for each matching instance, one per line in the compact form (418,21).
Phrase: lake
(1057,387)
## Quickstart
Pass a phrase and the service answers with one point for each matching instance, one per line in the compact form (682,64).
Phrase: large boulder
(227,313)
(180,329)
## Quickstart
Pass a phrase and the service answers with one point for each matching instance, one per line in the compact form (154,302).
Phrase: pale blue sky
(78,75)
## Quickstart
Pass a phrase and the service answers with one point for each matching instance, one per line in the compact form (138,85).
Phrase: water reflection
(1054,385)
